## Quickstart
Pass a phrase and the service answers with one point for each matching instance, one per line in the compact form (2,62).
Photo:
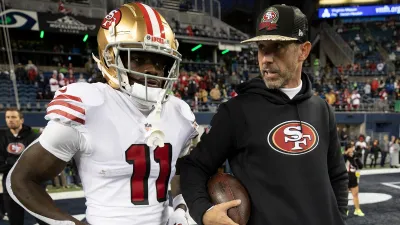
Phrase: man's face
(13,120)
(147,63)
(278,61)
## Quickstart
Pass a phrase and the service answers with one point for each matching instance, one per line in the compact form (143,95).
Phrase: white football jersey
(125,182)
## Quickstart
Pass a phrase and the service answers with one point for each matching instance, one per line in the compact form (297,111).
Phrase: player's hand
(218,215)
(178,217)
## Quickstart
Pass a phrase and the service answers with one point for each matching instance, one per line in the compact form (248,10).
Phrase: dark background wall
(378,122)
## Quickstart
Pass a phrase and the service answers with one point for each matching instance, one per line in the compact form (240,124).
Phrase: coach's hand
(218,215)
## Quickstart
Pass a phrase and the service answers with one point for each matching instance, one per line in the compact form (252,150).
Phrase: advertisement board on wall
(19,19)
(62,23)
(358,11)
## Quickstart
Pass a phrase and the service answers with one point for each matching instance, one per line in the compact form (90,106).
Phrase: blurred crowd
(373,41)
(376,150)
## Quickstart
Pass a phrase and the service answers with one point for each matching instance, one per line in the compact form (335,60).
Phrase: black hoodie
(12,146)
(285,152)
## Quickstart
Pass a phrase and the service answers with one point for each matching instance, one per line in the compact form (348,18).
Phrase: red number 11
(139,156)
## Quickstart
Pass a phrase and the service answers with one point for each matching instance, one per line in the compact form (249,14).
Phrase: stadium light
(85,38)
(42,34)
(197,47)
(225,51)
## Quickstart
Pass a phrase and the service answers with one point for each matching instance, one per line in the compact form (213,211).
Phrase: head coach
(280,140)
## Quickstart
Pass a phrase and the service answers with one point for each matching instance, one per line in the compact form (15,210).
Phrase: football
(222,188)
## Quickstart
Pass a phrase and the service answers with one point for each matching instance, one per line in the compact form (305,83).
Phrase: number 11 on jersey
(138,155)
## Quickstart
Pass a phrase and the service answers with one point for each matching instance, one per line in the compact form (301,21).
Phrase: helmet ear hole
(109,57)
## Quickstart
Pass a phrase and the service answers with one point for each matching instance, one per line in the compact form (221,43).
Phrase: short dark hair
(21,116)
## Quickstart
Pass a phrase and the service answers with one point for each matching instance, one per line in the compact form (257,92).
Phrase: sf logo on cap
(269,19)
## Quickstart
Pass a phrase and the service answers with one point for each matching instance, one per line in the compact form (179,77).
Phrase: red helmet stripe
(146,18)
(162,32)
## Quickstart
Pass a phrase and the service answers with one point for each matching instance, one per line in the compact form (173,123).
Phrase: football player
(125,136)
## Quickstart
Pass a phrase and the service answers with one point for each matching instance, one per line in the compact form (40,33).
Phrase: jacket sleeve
(4,167)
(32,137)
(336,167)
(205,159)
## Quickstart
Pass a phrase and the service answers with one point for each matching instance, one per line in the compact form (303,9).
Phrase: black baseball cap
(281,23)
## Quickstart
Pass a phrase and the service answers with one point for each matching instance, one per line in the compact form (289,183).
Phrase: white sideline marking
(392,184)
(380,171)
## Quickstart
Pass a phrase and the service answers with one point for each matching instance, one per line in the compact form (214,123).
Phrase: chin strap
(154,136)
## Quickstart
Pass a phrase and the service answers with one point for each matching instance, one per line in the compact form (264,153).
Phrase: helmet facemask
(121,57)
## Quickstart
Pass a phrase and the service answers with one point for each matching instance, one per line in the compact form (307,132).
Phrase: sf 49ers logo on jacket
(15,148)
(291,139)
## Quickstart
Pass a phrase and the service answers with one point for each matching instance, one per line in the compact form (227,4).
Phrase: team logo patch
(269,19)
(148,126)
(291,139)
(15,148)
(113,16)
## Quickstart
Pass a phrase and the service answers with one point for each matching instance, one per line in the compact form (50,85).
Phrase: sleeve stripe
(68,105)
(67,110)
(71,97)
(67,115)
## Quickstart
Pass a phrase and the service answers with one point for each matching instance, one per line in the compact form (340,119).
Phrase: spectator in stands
(192,88)
(224,92)
(21,74)
(383,99)
(374,86)
(234,80)
(89,66)
(62,81)
(203,94)
(70,68)
(53,82)
(176,25)
(31,66)
(71,78)
(367,88)
(215,93)
(81,78)
(355,99)
(357,38)
(392,56)
(344,136)
(41,85)
(380,66)
(331,97)
(63,69)
(339,81)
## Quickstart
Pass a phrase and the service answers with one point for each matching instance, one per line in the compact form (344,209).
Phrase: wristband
(178,200)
